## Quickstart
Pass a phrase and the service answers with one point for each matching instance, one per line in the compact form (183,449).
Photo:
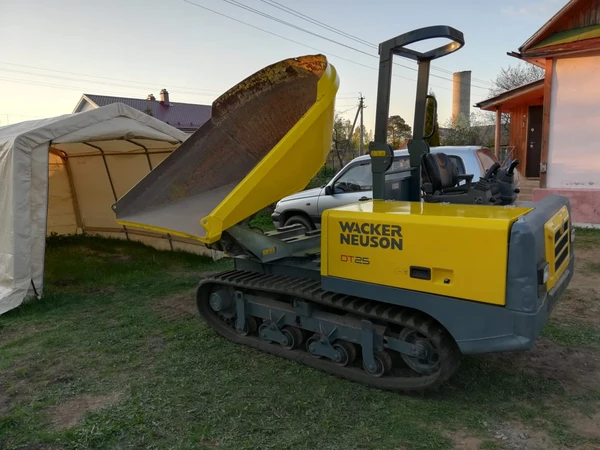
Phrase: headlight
(543,273)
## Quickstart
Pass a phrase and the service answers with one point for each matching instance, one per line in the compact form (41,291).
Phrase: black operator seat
(442,177)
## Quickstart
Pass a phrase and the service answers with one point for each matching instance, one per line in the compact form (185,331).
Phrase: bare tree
(466,131)
(513,77)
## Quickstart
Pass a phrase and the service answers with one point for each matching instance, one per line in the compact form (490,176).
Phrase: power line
(61,86)
(316,22)
(293,12)
(350,109)
(276,19)
(137,82)
(302,44)
(92,81)
(21,115)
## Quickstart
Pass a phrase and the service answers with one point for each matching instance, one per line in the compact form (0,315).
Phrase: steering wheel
(491,171)
(353,185)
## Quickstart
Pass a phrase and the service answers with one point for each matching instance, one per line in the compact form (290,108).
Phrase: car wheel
(303,220)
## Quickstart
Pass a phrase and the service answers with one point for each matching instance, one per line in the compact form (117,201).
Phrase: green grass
(593,267)
(572,334)
(586,238)
(263,221)
(112,322)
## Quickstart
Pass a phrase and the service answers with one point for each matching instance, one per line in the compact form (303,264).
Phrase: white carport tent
(61,175)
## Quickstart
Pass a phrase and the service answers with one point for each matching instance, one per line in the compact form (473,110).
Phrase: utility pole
(361,106)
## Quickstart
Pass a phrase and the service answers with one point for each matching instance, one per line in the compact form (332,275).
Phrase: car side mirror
(328,190)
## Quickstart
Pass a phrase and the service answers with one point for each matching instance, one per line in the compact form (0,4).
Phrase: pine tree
(433,141)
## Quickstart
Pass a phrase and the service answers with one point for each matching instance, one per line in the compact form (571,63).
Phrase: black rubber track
(311,291)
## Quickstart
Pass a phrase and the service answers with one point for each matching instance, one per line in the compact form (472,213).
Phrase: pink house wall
(585,204)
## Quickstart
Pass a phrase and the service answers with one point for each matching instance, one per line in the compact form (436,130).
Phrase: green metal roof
(568,36)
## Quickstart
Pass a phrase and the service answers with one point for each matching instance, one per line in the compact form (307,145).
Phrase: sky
(53,52)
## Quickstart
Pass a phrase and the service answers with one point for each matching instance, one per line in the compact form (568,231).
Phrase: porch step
(527,185)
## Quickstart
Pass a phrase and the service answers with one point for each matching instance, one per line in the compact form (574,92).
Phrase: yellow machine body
(269,135)
(452,250)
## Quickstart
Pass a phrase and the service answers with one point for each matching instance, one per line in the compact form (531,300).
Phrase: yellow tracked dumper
(387,292)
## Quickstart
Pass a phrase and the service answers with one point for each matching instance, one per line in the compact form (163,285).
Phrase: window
(486,158)
(459,163)
(399,164)
(359,178)
(355,179)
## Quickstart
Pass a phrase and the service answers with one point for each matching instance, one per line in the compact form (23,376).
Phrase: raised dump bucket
(268,136)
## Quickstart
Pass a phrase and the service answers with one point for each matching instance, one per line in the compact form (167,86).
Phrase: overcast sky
(52,52)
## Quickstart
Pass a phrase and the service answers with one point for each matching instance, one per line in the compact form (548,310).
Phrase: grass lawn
(115,356)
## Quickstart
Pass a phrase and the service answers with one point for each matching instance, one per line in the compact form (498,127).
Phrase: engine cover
(453,250)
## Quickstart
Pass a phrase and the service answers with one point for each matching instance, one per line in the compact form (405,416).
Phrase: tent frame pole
(112,186)
(145,151)
(65,158)
(89,155)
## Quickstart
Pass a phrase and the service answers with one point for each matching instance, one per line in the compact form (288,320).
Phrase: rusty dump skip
(247,122)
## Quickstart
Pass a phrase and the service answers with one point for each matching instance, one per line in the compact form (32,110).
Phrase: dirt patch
(587,426)
(212,443)
(65,282)
(177,307)
(463,441)
(516,436)
(20,331)
(55,374)
(26,377)
(100,290)
(581,302)
(577,371)
(508,436)
(3,406)
(70,413)
(119,258)
(156,343)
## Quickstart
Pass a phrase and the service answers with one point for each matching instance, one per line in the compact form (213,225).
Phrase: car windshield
(486,158)
(359,177)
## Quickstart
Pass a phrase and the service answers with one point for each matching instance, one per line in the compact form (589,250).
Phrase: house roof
(508,99)
(184,116)
(575,27)
(547,29)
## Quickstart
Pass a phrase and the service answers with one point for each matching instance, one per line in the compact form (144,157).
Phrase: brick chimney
(151,97)
(164,97)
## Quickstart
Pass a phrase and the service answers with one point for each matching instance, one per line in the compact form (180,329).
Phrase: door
(353,185)
(534,141)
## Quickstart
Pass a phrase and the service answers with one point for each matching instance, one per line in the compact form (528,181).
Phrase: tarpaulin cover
(61,175)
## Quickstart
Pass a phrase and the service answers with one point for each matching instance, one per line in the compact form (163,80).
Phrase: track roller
(383,362)
(295,337)
(386,347)
(427,361)
(312,346)
(348,352)
(250,327)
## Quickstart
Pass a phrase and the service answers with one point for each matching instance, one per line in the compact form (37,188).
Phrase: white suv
(353,184)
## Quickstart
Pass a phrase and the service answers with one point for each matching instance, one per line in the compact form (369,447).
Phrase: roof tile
(185,116)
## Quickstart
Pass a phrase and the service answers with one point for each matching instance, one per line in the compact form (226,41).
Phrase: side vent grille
(558,245)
